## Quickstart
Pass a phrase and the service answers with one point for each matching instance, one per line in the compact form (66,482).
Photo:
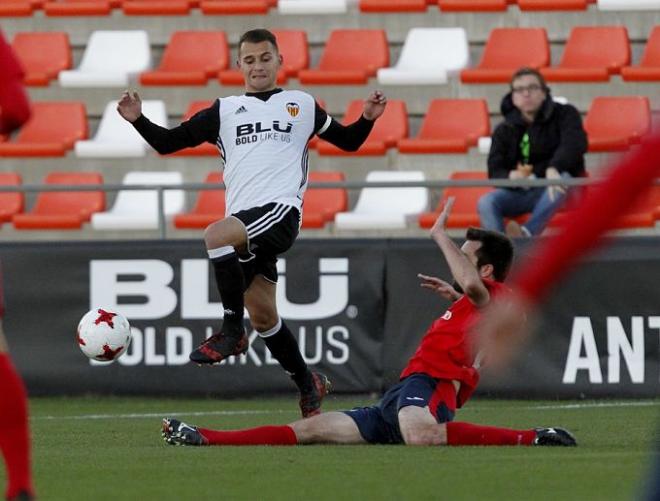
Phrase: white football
(103,334)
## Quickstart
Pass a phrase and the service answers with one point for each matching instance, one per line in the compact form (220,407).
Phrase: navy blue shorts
(379,424)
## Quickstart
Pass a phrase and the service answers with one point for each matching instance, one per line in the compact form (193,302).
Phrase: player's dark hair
(257,36)
(496,249)
(524,71)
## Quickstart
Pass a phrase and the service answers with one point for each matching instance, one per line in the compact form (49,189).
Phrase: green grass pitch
(111,449)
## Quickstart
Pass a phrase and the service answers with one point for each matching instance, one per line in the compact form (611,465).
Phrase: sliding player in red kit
(14,430)
(439,378)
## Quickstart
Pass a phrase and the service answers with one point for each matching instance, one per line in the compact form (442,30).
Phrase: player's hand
(444,289)
(374,106)
(558,190)
(441,223)
(130,106)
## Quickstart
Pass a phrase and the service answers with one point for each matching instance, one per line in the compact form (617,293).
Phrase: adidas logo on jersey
(242,109)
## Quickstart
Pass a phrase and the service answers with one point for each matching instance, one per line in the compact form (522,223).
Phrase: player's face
(528,94)
(259,63)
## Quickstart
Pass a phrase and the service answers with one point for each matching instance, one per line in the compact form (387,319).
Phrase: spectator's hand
(554,191)
(441,222)
(440,287)
(516,174)
(374,106)
(525,169)
(130,106)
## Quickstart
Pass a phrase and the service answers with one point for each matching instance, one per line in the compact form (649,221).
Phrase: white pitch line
(595,405)
(164,414)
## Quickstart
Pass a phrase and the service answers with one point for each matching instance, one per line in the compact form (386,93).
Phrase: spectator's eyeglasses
(529,88)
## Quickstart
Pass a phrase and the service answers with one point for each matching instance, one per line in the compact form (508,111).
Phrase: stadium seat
(11,202)
(428,57)
(393,5)
(51,131)
(616,123)
(184,63)
(591,54)
(649,66)
(204,149)
(385,208)
(508,49)
(209,207)
(628,5)
(63,210)
(644,212)
(391,127)
(464,213)
(16,8)
(111,59)
(312,6)
(79,7)
(450,126)
(138,209)
(43,55)
(322,204)
(473,5)
(349,57)
(547,5)
(157,7)
(116,137)
(294,48)
(228,7)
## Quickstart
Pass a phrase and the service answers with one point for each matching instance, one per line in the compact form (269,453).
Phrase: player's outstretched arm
(464,272)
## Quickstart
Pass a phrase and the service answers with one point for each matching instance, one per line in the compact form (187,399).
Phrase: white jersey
(264,148)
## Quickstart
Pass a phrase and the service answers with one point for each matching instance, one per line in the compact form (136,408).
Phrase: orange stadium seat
(388,130)
(322,204)
(349,57)
(507,49)
(184,64)
(42,55)
(294,48)
(57,210)
(450,126)
(18,8)
(209,207)
(204,149)
(79,7)
(546,5)
(51,131)
(464,213)
(228,7)
(157,7)
(473,5)
(592,54)
(644,212)
(393,5)
(615,123)
(10,202)
(649,66)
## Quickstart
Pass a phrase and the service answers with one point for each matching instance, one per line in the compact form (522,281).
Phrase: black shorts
(379,424)
(271,230)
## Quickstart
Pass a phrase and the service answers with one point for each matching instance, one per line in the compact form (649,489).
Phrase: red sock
(14,430)
(472,434)
(263,435)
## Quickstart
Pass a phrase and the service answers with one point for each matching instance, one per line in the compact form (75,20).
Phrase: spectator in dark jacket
(539,138)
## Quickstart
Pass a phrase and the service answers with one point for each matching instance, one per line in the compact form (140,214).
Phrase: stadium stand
(51,131)
(323,204)
(111,59)
(312,6)
(115,137)
(385,208)
(388,130)
(79,8)
(209,206)
(43,55)
(450,126)
(428,56)
(507,49)
(623,5)
(591,54)
(157,7)
(63,210)
(11,203)
(138,209)
(349,57)
(616,123)
(184,64)
(17,8)
(294,49)
(553,5)
(225,7)
(649,66)
(394,5)
(473,5)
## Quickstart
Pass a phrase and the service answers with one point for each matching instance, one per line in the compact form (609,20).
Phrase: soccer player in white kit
(262,138)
